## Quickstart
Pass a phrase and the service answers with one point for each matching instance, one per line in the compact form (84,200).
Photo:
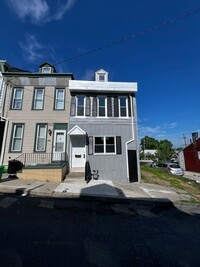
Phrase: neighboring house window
(198,154)
(101,106)
(17,98)
(60,98)
(123,111)
(17,137)
(80,105)
(38,100)
(41,133)
(104,145)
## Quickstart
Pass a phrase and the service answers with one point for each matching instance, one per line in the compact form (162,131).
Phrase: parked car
(170,167)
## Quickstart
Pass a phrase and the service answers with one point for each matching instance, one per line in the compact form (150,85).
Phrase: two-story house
(36,108)
(103,128)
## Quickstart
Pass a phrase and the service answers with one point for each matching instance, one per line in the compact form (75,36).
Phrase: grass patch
(156,176)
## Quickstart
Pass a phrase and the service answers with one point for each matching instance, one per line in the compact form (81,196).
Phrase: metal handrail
(34,159)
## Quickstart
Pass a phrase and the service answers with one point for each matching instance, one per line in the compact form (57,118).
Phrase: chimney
(194,137)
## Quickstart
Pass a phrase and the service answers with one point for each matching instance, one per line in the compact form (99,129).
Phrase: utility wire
(129,37)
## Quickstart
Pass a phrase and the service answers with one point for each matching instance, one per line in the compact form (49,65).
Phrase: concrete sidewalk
(95,189)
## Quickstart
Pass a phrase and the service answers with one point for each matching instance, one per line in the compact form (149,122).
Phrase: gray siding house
(103,128)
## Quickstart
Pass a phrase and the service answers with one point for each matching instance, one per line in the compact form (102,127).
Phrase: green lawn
(156,176)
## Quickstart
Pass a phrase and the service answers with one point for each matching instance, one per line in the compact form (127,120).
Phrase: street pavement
(96,189)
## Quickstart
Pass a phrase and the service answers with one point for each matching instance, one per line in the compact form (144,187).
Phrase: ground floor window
(17,138)
(40,142)
(105,145)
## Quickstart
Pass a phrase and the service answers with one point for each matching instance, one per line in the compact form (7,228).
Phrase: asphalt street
(58,232)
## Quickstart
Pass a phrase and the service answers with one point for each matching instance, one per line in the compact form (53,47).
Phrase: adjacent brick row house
(48,118)
(189,158)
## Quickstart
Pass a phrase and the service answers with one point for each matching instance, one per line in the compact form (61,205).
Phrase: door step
(75,175)
(77,169)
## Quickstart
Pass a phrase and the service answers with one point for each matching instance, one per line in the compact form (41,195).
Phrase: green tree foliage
(164,148)
(149,143)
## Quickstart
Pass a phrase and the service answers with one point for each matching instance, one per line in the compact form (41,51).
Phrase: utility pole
(184,139)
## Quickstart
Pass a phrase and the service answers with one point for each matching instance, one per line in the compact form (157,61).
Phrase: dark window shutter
(109,106)
(90,145)
(116,107)
(73,106)
(118,145)
(87,112)
(94,106)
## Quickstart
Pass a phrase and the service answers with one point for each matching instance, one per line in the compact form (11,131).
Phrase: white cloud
(38,11)
(32,49)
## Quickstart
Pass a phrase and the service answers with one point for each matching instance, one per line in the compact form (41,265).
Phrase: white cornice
(94,86)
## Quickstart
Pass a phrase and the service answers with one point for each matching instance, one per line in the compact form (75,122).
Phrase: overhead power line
(129,37)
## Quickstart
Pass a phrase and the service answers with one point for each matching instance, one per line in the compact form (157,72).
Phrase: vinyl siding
(31,117)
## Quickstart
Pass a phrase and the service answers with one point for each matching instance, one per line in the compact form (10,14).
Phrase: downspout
(128,142)
(134,136)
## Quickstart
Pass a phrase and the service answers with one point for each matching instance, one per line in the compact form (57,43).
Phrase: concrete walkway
(95,189)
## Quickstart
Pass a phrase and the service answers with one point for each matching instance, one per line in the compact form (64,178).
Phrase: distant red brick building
(191,157)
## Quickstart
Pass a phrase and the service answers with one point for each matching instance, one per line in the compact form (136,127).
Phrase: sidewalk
(96,189)
(192,175)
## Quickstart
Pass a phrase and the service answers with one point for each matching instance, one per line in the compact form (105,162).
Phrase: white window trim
(35,99)
(56,99)
(120,106)
(105,106)
(13,98)
(104,143)
(36,140)
(84,103)
(198,152)
(13,137)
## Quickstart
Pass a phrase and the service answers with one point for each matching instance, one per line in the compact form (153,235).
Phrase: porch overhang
(76,130)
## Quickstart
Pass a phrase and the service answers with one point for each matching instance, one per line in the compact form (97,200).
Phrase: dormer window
(46,70)
(101,76)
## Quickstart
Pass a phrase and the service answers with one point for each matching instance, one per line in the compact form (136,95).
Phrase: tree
(165,150)
(149,143)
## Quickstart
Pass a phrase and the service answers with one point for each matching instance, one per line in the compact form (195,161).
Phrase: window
(17,137)
(38,98)
(101,77)
(101,106)
(104,145)
(17,98)
(60,98)
(46,69)
(198,152)
(80,111)
(41,133)
(123,106)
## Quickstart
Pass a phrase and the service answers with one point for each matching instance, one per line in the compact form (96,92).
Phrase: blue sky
(165,62)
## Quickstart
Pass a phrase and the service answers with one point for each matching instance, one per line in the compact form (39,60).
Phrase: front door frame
(54,143)
(75,131)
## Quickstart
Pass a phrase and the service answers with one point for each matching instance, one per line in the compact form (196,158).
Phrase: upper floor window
(38,100)
(101,76)
(123,112)
(40,142)
(17,98)
(17,137)
(59,98)
(101,106)
(80,105)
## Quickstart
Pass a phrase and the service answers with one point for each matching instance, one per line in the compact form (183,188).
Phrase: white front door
(78,151)
(59,144)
